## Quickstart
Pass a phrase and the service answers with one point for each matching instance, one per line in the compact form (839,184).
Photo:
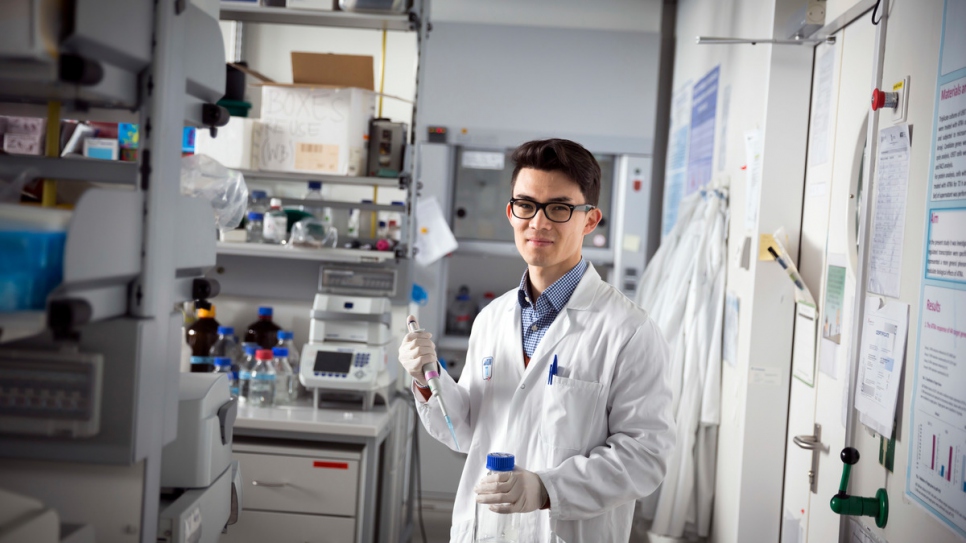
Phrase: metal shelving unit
(264,250)
(396,182)
(132,252)
(245,12)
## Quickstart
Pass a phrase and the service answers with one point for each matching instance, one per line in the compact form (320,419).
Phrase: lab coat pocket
(569,410)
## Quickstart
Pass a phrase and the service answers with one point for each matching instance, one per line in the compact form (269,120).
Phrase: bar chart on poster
(941,453)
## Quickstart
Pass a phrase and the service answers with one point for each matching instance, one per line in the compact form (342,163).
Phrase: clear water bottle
(223,364)
(315,191)
(258,201)
(261,391)
(245,368)
(285,380)
(254,227)
(286,338)
(227,345)
(497,527)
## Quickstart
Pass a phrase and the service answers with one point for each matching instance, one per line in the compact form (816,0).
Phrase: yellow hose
(52,150)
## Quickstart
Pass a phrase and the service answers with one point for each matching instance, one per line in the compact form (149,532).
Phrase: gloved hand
(416,351)
(517,491)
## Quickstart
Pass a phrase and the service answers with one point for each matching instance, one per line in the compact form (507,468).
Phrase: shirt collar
(559,292)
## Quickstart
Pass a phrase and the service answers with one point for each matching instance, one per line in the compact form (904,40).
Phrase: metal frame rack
(133,250)
(242,264)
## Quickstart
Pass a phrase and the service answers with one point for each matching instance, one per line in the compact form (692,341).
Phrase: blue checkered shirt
(536,318)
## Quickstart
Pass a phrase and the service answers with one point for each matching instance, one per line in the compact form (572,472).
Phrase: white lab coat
(597,437)
(683,289)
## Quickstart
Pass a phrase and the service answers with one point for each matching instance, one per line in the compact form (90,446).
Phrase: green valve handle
(843,504)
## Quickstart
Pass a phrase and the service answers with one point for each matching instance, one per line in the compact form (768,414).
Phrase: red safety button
(878,99)
(637,185)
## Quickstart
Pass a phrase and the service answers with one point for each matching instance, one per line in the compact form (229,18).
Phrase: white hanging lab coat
(683,288)
(597,437)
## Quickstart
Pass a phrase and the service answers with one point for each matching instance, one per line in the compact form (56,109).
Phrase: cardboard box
(23,144)
(233,146)
(320,123)
(102,148)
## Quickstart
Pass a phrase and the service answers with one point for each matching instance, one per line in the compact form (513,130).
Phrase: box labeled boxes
(233,146)
(320,123)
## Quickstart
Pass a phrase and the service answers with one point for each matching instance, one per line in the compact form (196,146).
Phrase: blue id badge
(487,368)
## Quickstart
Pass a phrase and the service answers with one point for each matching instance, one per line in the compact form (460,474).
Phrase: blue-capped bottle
(223,364)
(497,527)
(264,332)
(285,389)
(245,368)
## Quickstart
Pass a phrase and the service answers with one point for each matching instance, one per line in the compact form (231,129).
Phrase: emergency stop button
(881,99)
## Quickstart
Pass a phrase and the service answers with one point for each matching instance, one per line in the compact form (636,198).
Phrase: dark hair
(559,155)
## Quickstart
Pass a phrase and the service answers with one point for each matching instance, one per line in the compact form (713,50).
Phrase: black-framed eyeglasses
(554,211)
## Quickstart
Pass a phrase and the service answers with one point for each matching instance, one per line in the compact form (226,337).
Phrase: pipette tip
(453,433)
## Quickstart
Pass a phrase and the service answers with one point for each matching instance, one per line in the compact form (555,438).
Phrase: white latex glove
(517,491)
(416,351)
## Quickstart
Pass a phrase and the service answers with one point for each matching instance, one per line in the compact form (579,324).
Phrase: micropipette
(432,379)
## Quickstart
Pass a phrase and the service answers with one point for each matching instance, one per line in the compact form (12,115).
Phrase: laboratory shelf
(116,89)
(70,169)
(264,250)
(21,324)
(248,13)
(454,343)
(324,178)
(71,111)
(339,204)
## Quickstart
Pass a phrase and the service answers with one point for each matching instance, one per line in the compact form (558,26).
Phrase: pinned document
(880,365)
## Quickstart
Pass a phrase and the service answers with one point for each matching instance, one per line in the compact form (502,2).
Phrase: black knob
(850,455)
(202,289)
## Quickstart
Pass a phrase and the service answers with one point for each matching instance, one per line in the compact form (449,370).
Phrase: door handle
(269,485)
(812,443)
(809,443)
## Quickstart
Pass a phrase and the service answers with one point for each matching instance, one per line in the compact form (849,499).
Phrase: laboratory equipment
(843,504)
(254,227)
(497,527)
(264,332)
(258,201)
(432,379)
(285,380)
(347,348)
(50,393)
(459,318)
(261,389)
(387,141)
(223,364)
(314,192)
(202,334)
(226,345)
(198,475)
(275,223)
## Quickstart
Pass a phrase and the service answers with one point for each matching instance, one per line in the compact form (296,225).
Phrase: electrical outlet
(901,112)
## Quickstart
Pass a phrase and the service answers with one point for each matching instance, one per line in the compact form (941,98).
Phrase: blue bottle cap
(264,311)
(225,330)
(463,297)
(280,351)
(222,361)
(255,216)
(499,461)
(382,224)
(250,349)
(285,334)
(257,194)
(315,185)
(398,203)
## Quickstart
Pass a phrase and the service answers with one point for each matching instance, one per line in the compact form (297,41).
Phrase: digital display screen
(332,362)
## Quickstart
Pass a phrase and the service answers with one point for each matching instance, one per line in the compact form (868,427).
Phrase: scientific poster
(676,168)
(704,107)
(936,470)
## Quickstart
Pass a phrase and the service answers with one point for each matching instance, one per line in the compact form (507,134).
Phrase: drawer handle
(270,485)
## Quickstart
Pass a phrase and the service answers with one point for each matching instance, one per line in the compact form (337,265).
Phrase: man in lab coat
(593,437)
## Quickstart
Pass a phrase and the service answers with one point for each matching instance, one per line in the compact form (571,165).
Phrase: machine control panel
(328,366)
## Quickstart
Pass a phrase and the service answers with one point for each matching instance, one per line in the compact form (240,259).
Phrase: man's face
(542,242)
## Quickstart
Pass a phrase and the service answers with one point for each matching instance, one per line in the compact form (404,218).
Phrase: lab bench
(335,475)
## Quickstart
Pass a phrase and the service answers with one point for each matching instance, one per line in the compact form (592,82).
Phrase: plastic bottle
(223,364)
(245,371)
(200,336)
(287,339)
(395,221)
(285,380)
(352,227)
(264,332)
(202,364)
(315,191)
(227,345)
(275,225)
(258,201)
(261,392)
(254,227)
(461,312)
(497,527)
(382,231)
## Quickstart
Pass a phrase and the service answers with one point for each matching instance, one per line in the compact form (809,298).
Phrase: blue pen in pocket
(553,370)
